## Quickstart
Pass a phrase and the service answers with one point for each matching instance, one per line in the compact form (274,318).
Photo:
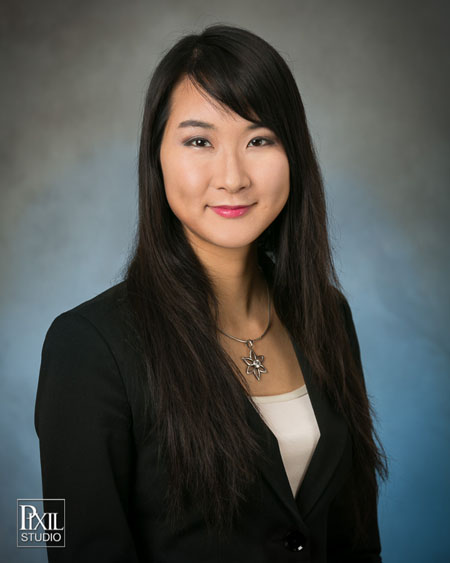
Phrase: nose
(230,172)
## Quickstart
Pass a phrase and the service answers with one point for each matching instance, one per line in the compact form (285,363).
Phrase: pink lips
(231,210)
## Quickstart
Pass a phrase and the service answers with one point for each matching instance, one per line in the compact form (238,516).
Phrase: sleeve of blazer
(340,524)
(82,419)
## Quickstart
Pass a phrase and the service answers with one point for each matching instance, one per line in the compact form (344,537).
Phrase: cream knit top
(291,418)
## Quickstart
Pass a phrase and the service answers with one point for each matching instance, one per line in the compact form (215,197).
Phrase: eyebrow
(205,125)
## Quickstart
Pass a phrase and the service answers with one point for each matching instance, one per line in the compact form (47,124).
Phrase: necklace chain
(246,340)
(253,362)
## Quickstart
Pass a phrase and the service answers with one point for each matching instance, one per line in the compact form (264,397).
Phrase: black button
(294,541)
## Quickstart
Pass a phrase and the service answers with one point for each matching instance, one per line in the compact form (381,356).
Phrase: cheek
(275,178)
(183,183)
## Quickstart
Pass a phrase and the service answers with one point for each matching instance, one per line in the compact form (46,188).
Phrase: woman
(211,406)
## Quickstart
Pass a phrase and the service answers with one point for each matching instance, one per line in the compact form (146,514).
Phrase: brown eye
(195,140)
(265,140)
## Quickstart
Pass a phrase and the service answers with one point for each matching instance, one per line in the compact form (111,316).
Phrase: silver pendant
(254,362)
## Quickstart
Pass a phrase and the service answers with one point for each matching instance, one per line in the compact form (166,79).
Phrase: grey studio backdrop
(373,77)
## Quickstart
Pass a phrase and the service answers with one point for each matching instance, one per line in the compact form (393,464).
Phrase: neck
(240,288)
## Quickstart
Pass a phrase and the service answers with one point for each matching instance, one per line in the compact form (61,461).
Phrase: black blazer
(88,417)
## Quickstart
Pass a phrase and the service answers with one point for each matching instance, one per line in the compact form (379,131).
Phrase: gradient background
(374,80)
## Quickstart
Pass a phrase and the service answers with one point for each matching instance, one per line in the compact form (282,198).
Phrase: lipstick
(231,211)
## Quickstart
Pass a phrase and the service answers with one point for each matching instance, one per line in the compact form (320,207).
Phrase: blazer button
(294,541)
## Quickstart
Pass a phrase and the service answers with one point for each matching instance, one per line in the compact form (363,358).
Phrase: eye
(194,140)
(266,141)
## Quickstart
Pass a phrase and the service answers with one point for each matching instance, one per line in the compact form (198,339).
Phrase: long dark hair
(194,391)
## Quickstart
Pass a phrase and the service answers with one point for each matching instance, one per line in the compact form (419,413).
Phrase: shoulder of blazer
(102,308)
(109,313)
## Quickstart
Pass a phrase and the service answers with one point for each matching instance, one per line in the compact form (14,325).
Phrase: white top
(291,418)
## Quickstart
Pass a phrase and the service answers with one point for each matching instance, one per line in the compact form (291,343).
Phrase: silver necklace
(253,362)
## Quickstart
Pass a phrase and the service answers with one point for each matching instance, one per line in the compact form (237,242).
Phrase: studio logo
(40,522)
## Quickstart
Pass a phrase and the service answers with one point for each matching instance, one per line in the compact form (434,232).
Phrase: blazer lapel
(326,456)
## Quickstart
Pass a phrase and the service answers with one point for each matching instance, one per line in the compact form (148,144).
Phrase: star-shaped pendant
(254,364)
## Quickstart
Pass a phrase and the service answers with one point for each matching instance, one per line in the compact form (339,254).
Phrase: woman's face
(220,162)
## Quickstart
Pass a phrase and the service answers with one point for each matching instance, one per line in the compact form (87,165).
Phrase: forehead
(187,102)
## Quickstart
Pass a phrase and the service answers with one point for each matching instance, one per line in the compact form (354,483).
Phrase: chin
(230,243)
